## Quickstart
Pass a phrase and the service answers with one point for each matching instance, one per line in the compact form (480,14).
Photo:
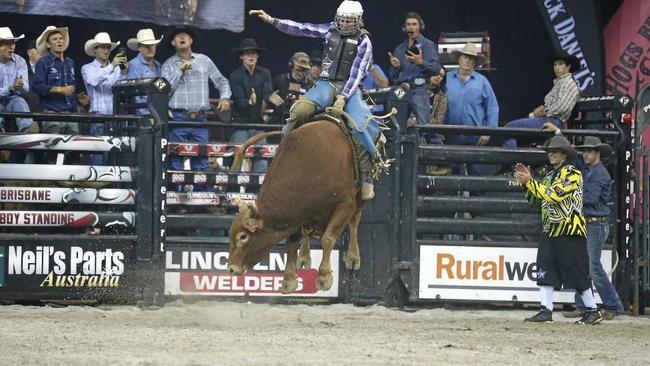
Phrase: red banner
(627,48)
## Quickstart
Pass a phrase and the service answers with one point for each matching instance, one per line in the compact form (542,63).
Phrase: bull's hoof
(303,262)
(352,262)
(289,285)
(324,281)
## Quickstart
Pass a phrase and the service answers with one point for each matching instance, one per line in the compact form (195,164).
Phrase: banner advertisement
(627,48)
(574,28)
(206,14)
(59,269)
(485,273)
(205,272)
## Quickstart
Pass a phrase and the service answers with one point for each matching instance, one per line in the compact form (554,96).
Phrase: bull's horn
(253,207)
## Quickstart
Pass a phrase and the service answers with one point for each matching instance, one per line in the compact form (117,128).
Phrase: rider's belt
(590,219)
(191,114)
(418,83)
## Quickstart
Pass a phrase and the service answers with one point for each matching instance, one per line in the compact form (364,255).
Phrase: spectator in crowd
(14,80)
(189,74)
(99,77)
(345,62)
(315,61)
(562,254)
(375,78)
(251,93)
(558,103)
(438,99)
(144,65)
(471,101)
(54,79)
(411,62)
(30,97)
(292,85)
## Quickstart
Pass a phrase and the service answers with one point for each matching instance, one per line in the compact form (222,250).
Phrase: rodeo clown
(346,58)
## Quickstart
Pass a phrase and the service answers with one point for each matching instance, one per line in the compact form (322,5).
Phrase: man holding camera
(99,77)
(411,62)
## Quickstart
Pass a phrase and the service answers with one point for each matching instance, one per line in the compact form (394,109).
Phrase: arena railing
(77,231)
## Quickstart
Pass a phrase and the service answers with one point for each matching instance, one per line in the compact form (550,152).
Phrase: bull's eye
(242,238)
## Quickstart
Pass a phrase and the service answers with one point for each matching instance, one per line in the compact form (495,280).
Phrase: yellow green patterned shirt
(560,193)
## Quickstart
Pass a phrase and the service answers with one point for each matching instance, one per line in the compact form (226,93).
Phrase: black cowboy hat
(593,142)
(248,44)
(559,143)
(176,30)
(315,57)
(568,59)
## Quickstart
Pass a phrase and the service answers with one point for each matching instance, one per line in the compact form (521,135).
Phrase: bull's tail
(239,157)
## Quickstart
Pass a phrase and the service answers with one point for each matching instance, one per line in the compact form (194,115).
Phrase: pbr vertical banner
(627,49)
(206,14)
(574,27)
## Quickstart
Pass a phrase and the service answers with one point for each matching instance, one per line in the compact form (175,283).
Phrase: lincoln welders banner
(573,26)
(627,48)
(206,14)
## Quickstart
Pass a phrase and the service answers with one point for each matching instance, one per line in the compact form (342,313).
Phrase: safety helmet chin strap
(356,19)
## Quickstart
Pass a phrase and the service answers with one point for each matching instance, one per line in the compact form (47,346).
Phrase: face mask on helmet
(348,17)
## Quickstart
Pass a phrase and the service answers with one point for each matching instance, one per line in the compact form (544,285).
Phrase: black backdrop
(520,43)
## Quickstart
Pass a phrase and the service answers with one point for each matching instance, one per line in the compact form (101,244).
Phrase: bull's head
(250,241)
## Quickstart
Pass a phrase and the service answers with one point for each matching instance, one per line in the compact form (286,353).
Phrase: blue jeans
(466,140)
(597,233)
(239,136)
(15,103)
(367,128)
(420,104)
(188,134)
(528,123)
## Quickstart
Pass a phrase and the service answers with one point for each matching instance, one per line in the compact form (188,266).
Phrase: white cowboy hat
(6,35)
(41,41)
(469,49)
(144,36)
(100,38)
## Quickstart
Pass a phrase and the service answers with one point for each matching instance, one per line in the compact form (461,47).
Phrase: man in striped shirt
(345,61)
(558,103)
(189,74)
(99,77)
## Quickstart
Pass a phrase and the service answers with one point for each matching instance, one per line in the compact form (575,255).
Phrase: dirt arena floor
(230,333)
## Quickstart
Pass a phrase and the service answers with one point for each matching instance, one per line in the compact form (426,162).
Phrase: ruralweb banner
(206,14)
(573,26)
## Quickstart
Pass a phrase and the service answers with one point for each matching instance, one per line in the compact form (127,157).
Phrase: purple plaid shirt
(364,50)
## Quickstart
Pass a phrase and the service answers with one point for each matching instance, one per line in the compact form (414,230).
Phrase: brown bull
(310,184)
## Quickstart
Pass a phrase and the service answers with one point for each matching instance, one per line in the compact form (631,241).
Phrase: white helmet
(351,11)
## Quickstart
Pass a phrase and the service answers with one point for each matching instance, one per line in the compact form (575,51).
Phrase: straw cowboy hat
(593,142)
(41,41)
(469,49)
(144,36)
(301,59)
(248,44)
(6,35)
(100,38)
(559,143)
(568,59)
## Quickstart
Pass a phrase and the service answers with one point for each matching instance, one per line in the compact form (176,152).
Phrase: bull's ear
(253,224)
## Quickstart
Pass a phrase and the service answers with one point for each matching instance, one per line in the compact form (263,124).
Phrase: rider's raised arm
(302,29)
(359,67)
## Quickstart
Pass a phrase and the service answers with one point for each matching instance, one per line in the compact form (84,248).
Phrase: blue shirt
(51,72)
(10,71)
(139,69)
(190,87)
(471,102)
(597,188)
(370,83)
(407,70)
